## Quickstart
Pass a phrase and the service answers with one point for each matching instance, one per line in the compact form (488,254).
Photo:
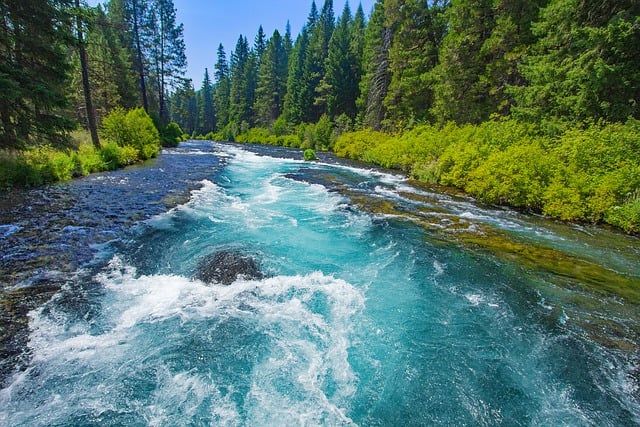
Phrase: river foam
(171,348)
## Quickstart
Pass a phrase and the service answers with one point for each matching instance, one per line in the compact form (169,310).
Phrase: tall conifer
(375,79)
(208,119)
(460,94)
(222,88)
(272,81)
(339,86)
(419,28)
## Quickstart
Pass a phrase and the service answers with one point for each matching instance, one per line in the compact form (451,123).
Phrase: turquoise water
(365,317)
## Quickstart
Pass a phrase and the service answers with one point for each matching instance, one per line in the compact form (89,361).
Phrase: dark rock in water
(225,267)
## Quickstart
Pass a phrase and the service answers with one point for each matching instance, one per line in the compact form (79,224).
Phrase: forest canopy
(556,63)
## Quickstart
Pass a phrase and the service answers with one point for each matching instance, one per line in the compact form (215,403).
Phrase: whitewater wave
(164,347)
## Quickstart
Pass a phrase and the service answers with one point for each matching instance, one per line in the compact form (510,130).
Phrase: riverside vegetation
(530,105)
(129,137)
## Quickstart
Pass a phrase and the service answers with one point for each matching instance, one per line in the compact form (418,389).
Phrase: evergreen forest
(531,104)
(85,89)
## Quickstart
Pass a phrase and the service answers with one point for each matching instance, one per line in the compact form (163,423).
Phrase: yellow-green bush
(171,135)
(585,174)
(516,176)
(627,215)
(596,170)
(115,156)
(133,128)
(268,137)
(87,160)
(356,145)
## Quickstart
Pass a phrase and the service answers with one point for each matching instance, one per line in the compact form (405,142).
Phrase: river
(380,302)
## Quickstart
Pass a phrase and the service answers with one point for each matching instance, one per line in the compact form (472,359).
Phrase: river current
(384,302)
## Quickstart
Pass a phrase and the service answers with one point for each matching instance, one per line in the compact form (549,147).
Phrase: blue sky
(210,22)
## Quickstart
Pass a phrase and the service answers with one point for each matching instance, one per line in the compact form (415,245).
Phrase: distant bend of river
(379,301)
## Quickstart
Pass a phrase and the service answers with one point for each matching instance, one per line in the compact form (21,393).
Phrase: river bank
(588,173)
(48,234)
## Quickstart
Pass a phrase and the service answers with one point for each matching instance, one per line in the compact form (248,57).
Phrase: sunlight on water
(362,319)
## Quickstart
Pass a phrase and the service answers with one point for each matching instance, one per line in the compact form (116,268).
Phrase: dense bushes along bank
(129,137)
(590,173)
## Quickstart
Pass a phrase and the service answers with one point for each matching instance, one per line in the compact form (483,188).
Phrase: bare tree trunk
(136,34)
(91,115)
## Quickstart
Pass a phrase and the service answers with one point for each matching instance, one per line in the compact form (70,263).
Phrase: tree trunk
(136,35)
(91,115)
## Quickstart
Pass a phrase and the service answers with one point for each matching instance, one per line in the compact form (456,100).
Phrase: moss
(570,271)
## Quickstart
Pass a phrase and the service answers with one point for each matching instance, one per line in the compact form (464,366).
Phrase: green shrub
(48,165)
(59,168)
(309,155)
(457,161)
(15,171)
(128,155)
(279,127)
(134,128)
(114,127)
(229,132)
(256,136)
(322,135)
(597,167)
(516,176)
(626,216)
(581,174)
(289,141)
(354,145)
(171,135)
(87,160)
(110,154)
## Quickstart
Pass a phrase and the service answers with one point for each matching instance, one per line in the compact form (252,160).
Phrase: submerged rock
(225,267)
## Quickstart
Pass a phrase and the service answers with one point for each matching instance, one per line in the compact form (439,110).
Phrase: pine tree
(118,39)
(375,80)
(503,52)
(340,84)
(459,93)
(251,79)
(314,66)
(312,19)
(135,15)
(113,64)
(288,41)
(241,96)
(222,89)
(184,109)
(84,68)
(358,33)
(207,120)
(585,65)
(260,43)
(297,94)
(34,40)
(272,80)
(168,52)
(419,28)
